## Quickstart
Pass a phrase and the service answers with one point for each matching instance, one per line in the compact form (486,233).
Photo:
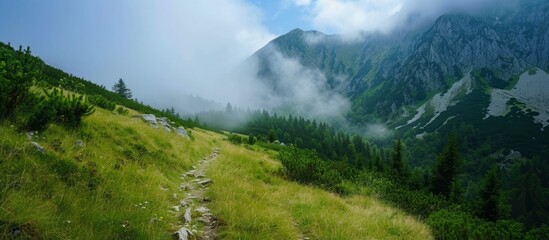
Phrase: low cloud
(295,88)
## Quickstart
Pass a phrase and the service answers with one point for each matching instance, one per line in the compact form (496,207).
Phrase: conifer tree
(398,161)
(446,168)
(121,89)
(490,196)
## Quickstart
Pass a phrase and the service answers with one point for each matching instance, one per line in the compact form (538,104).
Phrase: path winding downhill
(195,184)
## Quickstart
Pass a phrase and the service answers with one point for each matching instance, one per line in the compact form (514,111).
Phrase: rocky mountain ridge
(411,65)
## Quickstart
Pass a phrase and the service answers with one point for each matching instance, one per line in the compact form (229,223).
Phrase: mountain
(390,77)
(481,77)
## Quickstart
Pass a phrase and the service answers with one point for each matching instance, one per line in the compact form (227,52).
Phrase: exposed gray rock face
(181,131)
(381,73)
(150,119)
(38,147)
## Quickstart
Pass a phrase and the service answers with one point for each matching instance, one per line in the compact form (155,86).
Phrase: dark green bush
(235,139)
(101,102)
(35,114)
(538,233)
(122,111)
(69,109)
(448,224)
(305,166)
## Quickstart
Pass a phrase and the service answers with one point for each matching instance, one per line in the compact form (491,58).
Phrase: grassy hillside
(255,201)
(127,174)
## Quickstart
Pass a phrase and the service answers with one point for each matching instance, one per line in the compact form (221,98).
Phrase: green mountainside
(465,101)
(80,162)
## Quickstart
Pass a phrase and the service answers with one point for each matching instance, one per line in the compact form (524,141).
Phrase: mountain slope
(119,174)
(124,181)
(383,73)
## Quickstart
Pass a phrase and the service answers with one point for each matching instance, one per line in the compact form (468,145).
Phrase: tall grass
(126,175)
(254,201)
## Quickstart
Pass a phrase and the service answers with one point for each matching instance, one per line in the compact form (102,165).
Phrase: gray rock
(187,215)
(205,182)
(202,210)
(38,147)
(164,122)
(199,175)
(175,208)
(183,233)
(181,131)
(79,143)
(150,119)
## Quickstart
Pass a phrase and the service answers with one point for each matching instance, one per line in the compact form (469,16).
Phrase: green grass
(125,175)
(254,201)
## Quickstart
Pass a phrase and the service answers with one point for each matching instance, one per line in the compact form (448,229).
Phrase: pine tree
(446,168)
(398,161)
(272,135)
(490,196)
(121,89)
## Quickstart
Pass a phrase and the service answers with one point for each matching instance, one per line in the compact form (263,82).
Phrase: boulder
(164,122)
(181,131)
(150,119)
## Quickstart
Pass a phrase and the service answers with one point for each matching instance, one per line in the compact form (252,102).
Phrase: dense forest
(461,191)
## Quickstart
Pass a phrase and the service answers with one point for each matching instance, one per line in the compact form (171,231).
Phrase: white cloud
(298,88)
(352,17)
(302,2)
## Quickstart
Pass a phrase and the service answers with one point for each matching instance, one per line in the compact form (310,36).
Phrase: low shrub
(101,102)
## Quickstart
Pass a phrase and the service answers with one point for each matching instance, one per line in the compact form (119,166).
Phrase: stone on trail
(199,175)
(187,215)
(205,182)
(175,208)
(183,233)
(202,210)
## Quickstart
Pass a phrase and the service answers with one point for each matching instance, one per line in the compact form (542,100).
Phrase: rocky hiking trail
(196,220)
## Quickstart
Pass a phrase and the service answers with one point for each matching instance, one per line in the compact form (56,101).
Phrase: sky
(168,49)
